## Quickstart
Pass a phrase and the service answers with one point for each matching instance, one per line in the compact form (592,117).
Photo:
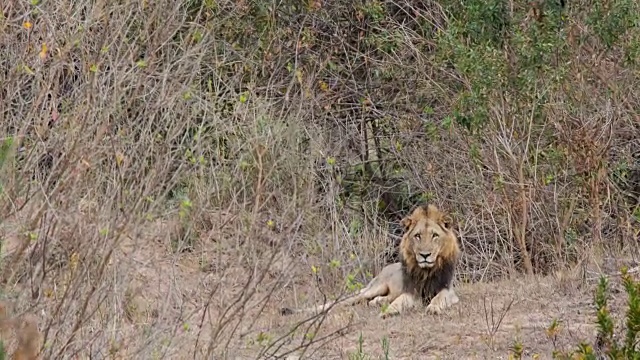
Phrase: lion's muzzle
(425,259)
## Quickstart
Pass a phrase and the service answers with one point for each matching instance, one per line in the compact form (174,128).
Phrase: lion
(429,253)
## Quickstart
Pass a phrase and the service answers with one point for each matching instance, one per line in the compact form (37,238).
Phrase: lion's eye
(417,236)
(434,236)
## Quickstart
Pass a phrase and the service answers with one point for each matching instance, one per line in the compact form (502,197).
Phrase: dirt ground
(466,331)
(183,312)
(487,322)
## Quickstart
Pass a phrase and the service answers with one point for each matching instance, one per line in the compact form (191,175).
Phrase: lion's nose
(425,255)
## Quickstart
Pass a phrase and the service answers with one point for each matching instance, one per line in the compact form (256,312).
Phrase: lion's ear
(447,221)
(432,212)
(407,221)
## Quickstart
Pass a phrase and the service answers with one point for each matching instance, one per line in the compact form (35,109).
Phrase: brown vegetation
(169,171)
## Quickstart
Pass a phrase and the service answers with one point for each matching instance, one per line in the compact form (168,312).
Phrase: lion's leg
(444,299)
(402,303)
(452,298)
(374,289)
(394,290)
(376,292)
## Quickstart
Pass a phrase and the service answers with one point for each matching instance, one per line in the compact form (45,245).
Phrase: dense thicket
(519,118)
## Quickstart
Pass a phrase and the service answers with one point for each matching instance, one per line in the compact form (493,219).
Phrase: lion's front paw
(434,309)
(441,301)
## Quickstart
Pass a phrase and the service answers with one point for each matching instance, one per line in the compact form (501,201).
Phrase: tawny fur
(416,278)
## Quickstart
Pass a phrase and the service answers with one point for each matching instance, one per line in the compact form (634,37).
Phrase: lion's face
(428,240)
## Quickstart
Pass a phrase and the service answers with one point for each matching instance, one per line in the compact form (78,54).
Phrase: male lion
(429,253)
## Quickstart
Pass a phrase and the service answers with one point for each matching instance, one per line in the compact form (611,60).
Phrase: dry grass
(172,172)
